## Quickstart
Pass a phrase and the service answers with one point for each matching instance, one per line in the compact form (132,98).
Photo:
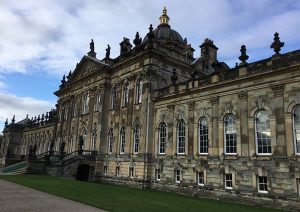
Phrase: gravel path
(15,198)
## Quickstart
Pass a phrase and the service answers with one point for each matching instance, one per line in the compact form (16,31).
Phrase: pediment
(85,67)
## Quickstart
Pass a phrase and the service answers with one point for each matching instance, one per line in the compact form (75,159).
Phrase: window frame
(122,139)
(126,95)
(118,171)
(110,138)
(295,138)
(138,91)
(105,170)
(85,103)
(113,98)
(162,138)
(202,134)
(136,138)
(256,132)
(263,183)
(97,102)
(181,137)
(229,179)
(200,179)
(177,176)
(131,172)
(230,116)
(158,174)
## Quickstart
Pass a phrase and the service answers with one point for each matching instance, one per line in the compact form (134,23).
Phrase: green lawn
(117,198)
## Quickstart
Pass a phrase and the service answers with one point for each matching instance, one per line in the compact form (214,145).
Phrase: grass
(118,198)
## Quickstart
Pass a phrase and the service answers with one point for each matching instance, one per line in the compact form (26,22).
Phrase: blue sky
(42,40)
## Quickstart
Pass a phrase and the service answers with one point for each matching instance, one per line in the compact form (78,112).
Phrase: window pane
(297,128)
(162,138)
(263,133)
(230,134)
(181,137)
(203,136)
(122,137)
(136,135)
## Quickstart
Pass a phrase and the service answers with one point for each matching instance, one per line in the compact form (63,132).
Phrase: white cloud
(20,106)
(52,35)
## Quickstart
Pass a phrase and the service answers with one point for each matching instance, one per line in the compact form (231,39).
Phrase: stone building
(158,116)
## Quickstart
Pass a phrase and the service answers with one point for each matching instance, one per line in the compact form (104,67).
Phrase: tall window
(75,108)
(85,103)
(126,95)
(136,137)
(162,135)
(298,186)
(177,176)
(118,171)
(230,134)
(203,136)
(262,133)
(84,137)
(158,174)
(114,98)
(200,178)
(296,126)
(180,137)
(110,140)
(97,102)
(131,172)
(262,184)
(122,139)
(138,92)
(228,181)
(66,114)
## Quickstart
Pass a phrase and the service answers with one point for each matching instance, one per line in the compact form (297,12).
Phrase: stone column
(243,103)
(215,132)
(191,128)
(278,102)
(170,147)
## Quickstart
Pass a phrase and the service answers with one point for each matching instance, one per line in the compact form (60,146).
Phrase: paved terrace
(15,198)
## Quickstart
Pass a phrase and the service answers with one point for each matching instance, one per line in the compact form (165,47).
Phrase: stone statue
(92,46)
(81,141)
(107,51)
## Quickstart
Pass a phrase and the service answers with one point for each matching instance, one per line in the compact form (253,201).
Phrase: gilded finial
(164,18)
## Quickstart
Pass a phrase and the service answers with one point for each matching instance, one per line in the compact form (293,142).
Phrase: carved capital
(243,95)
(191,105)
(278,90)
(171,107)
(214,100)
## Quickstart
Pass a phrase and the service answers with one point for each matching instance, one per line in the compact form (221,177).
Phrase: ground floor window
(200,178)
(105,170)
(262,184)
(177,176)
(117,171)
(131,172)
(158,174)
(298,186)
(228,181)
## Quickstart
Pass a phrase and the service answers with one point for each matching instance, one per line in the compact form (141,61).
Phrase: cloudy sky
(42,40)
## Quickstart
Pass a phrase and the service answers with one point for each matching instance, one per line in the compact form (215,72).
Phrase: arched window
(181,137)
(122,139)
(296,126)
(126,95)
(230,134)
(136,138)
(203,136)
(138,92)
(262,132)
(110,140)
(113,98)
(162,136)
